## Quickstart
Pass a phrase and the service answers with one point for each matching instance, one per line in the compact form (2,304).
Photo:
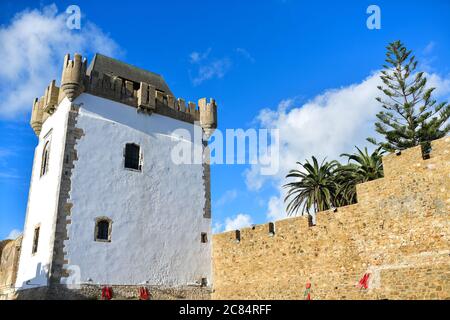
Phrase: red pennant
(107,293)
(143,293)
(364,281)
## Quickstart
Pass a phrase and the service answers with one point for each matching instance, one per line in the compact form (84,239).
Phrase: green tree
(313,189)
(367,166)
(361,167)
(319,187)
(411,116)
(345,192)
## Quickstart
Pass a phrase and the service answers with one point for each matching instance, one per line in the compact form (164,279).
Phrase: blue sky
(308,67)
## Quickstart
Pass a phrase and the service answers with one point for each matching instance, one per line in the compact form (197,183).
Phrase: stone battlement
(110,83)
(398,232)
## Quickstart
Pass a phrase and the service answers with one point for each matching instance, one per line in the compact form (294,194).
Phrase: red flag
(307,294)
(143,294)
(363,282)
(107,293)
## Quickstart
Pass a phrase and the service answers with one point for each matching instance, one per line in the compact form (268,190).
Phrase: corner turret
(37,114)
(208,115)
(51,98)
(73,75)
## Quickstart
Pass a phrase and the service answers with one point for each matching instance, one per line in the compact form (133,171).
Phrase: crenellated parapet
(73,75)
(51,98)
(37,115)
(208,115)
(120,82)
(44,106)
(146,98)
(397,233)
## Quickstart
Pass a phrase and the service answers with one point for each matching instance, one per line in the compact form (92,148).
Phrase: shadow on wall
(33,289)
(41,277)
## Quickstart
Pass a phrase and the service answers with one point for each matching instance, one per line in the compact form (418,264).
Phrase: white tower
(107,204)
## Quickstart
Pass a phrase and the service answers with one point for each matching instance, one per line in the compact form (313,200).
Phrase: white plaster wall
(157,214)
(42,203)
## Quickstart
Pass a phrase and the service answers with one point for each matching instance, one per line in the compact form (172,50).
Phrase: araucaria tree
(411,116)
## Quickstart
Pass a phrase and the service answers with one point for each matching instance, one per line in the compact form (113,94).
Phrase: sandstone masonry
(398,232)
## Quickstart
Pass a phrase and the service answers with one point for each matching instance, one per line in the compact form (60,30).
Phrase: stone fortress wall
(9,258)
(398,232)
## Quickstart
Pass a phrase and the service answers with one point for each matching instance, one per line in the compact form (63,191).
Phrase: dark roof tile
(110,66)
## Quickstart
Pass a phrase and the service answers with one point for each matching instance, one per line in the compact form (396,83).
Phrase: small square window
(103,230)
(132,156)
(204,237)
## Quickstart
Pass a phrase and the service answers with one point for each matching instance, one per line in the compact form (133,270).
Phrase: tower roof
(110,66)
(121,82)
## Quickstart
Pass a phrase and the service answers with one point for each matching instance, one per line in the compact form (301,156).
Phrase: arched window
(204,237)
(132,156)
(45,158)
(35,240)
(103,228)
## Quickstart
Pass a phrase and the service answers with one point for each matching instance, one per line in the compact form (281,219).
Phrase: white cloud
(208,68)
(326,126)
(5,172)
(4,153)
(429,47)
(196,57)
(238,222)
(427,58)
(8,176)
(33,46)
(254,179)
(442,85)
(217,227)
(227,197)
(214,69)
(245,54)
(14,234)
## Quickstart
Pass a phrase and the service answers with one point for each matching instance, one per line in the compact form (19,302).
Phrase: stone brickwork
(398,233)
(64,204)
(9,258)
(143,96)
(93,292)
(207,181)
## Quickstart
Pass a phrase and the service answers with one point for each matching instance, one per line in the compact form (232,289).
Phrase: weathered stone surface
(94,292)
(64,205)
(9,257)
(118,81)
(399,232)
(73,75)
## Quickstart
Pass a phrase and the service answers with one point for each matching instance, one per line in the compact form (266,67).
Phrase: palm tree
(361,167)
(344,177)
(368,167)
(314,189)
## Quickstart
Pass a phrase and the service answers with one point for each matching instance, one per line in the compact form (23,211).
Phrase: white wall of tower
(42,203)
(157,213)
